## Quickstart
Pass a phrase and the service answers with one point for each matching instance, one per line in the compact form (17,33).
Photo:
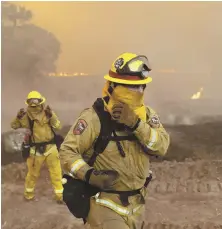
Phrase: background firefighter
(40,121)
(121,170)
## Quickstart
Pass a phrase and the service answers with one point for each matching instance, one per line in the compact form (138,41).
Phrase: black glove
(48,112)
(21,113)
(103,179)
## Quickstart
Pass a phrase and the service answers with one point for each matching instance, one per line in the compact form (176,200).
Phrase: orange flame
(198,94)
(65,74)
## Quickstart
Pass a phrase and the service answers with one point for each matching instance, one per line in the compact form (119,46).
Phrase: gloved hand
(48,111)
(103,179)
(123,114)
(21,113)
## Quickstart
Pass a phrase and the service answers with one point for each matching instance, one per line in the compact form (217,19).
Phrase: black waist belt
(124,195)
(38,144)
(127,193)
(133,192)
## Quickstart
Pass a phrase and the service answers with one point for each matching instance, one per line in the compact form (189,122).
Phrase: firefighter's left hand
(48,112)
(122,113)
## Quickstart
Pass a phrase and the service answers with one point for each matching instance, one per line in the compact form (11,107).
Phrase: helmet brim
(129,82)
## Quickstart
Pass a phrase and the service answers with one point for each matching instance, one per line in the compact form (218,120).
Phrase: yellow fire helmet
(130,68)
(34,99)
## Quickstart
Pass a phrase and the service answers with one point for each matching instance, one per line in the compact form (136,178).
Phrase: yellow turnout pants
(102,217)
(34,164)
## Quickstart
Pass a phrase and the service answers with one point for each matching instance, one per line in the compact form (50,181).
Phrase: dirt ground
(185,193)
(182,195)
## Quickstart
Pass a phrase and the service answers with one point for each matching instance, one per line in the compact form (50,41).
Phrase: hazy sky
(185,36)
(181,35)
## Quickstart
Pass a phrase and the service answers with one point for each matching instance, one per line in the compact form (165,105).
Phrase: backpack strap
(116,138)
(105,130)
(58,139)
(108,127)
(53,131)
(31,125)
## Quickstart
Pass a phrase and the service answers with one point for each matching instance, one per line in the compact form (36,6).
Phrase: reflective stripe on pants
(29,189)
(123,211)
(59,191)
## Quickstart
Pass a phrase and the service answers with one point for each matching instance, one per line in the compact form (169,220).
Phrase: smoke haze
(184,38)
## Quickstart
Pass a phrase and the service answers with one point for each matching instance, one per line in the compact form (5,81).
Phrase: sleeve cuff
(77,165)
(153,138)
(151,135)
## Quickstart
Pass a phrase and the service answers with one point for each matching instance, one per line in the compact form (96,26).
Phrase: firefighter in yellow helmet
(107,150)
(39,144)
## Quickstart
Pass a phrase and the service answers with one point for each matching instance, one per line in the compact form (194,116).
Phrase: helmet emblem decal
(119,62)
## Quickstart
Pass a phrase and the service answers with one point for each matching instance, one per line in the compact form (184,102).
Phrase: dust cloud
(181,39)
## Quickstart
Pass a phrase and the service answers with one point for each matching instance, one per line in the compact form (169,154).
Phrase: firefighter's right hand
(103,179)
(48,112)
(21,113)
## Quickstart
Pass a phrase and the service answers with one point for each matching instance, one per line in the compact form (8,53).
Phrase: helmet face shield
(138,66)
(34,102)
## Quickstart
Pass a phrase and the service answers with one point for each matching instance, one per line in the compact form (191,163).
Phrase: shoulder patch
(80,127)
(154,121)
